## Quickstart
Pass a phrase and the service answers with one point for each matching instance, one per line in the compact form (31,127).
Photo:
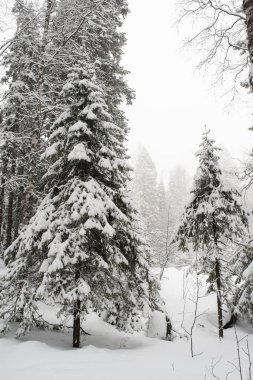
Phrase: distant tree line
(160,207)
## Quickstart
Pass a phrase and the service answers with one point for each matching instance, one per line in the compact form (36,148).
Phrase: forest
(115,262)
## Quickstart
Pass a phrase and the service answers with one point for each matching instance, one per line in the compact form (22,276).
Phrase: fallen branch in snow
(213,366)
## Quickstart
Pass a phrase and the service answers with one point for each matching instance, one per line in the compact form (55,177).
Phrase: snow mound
(157,325)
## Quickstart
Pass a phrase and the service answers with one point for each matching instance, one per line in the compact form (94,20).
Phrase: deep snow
(110,355)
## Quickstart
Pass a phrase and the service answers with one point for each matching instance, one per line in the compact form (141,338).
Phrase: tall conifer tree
(82,249)
(21,65)
(212,219)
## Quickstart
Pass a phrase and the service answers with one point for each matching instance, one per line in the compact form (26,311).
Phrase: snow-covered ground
(110,355)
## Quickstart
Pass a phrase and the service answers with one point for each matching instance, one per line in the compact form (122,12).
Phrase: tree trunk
(18,211)
(2,195)
(30,190)
(248,10)
(231,322)
(9,220)
(76,324)
(218,280)
(76,314)
(219,303)
(50,5)
(19,202)
(37,122)
(9,227)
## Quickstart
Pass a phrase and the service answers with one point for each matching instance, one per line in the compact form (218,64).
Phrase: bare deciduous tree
(220,31)
(192,292)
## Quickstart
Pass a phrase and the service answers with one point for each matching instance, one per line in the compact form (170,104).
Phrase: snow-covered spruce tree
(241,268)
(21,66)
(81,249)
(97,25)
(213,217)
(38,58)
(89,28)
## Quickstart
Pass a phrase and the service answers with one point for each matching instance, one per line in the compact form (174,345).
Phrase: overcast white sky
(173,101)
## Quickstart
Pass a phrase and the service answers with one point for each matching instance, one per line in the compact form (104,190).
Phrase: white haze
(174,102)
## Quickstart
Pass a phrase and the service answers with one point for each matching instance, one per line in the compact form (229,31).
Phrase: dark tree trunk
(248,10)
(219,302)
(19,202)
(76,314)
(9,220)
(50,5)
(169,328)
(218,280)
(18,212)
(9,227)
(37,122)
(31,185)
(231,322)
(76,324)
(2,195)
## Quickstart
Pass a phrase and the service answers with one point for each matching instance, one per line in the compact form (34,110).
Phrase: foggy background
(173,100)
